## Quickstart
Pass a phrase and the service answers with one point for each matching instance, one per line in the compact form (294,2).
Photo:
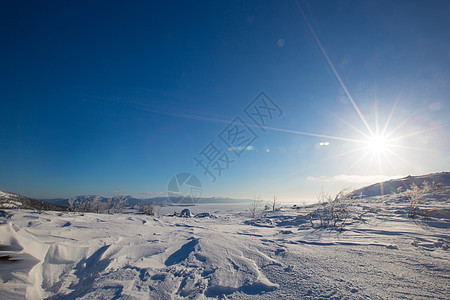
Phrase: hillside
(11,200)
(392,186)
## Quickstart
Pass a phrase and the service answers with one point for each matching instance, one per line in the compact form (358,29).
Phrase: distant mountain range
(11,200)
(132,201)
(391,186)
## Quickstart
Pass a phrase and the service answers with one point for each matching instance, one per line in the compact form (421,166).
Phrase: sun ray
(351,126)
(379,162)
(391,163)
(402,123)
(331,65)
(395,168)
(355,163)
(377,128)
(388,121)
(420,132)
(399,157)
(413,148)
(348,152)
(369,162)
(318,163)
(380,171)
(313,134)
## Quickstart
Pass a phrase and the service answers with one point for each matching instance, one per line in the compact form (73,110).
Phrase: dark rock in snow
(185,213)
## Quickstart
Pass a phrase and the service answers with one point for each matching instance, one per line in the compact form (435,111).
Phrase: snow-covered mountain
(11,200)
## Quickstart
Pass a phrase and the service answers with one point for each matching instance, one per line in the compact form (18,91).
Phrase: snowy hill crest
(394,185)
(11,200)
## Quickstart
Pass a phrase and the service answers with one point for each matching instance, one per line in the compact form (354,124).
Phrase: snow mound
(88,259)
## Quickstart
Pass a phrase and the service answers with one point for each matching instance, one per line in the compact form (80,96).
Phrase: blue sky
(100,95)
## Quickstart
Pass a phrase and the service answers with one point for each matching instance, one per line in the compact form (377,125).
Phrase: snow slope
(382,254)
(11,200)
(391,186)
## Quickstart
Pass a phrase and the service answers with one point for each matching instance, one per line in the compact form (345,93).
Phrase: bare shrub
(254,208)
(98,204)
(116,204)
(150,208)
(71,202)
(90,203)
(417,195)
(153,208)
(332,211)
(274,203)
(158,208)
(414,194)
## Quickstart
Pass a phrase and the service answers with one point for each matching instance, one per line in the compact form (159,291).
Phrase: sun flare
(378,143)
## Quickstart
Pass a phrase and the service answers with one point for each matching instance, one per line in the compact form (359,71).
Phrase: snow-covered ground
(381,254)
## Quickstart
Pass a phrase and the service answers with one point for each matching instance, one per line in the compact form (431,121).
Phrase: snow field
(381,254)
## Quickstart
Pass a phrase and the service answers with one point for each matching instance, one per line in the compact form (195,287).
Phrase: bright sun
(377,143)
